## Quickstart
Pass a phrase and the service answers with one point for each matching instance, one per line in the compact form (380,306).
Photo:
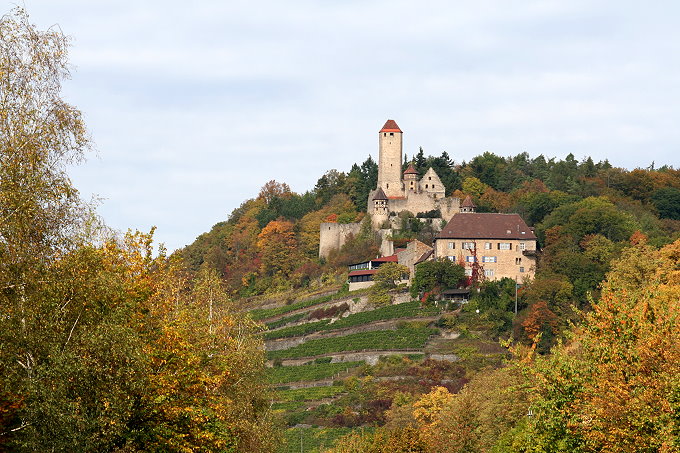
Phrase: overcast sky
(193,106)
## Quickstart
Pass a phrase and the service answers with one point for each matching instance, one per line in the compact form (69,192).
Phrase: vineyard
(260,314)
(405,310)
(403,339)
(311,372)
(338,395)
(309,394)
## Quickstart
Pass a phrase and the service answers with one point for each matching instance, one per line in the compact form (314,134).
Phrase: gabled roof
(379,194)
(486,226)
(411,170)
(390,126)
(468,203)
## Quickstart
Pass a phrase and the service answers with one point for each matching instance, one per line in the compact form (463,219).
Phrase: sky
(194,106)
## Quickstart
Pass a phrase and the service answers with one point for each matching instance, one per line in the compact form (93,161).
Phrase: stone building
(502,244)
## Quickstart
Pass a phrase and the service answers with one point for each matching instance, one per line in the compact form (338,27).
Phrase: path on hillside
(371,357)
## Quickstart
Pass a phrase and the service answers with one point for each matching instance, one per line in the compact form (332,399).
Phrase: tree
(441,274)
(667,201)
(389,275)
(102,346)
(40,212)
(278,246)
(615,386)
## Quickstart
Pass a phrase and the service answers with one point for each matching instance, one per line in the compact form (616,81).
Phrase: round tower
(411,179)
(389,160)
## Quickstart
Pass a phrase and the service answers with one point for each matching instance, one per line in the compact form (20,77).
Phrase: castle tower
(468,205)
(380,208)
(411,179)
(389,160)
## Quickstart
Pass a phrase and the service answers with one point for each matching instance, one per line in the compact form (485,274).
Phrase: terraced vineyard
(311,372)
(310,392)
(405,339)
(404,310)
(260,314)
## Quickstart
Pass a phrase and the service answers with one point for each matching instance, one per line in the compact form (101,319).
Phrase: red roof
(365,272)
(486,226)
(468,203)
(386,259)
(411,170)
(390,126)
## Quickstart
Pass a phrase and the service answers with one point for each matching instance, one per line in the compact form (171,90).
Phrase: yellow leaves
(428,408)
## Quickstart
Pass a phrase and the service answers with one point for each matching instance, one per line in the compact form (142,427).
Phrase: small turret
(468,205)
(411,178)
(380,208)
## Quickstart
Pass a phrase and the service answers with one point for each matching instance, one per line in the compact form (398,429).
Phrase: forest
(110,343)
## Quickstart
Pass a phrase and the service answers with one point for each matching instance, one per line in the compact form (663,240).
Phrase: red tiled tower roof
(390,126)
(411,170)
(468,203)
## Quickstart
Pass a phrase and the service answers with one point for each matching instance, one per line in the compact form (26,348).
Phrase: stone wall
(332,236)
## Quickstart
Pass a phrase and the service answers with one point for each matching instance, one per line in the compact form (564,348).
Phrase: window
(504,246)
(452,258)
(488,246)
(391,134)
(521,269)
(452,245)
(522,246)
(468,272)
(488,272)
(388,186)
(489,259)
(518,261)
(429,178)
(426,186)
(468,245)
(469,259)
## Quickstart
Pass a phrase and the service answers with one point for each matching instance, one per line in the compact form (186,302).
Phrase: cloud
(194,106)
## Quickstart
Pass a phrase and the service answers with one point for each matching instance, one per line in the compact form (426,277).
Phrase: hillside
(339,363)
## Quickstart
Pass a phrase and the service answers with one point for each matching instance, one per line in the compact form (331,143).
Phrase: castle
(396,192)
(499,245)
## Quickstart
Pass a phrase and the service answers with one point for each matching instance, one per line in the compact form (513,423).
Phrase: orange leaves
(540,320)
(278,248)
